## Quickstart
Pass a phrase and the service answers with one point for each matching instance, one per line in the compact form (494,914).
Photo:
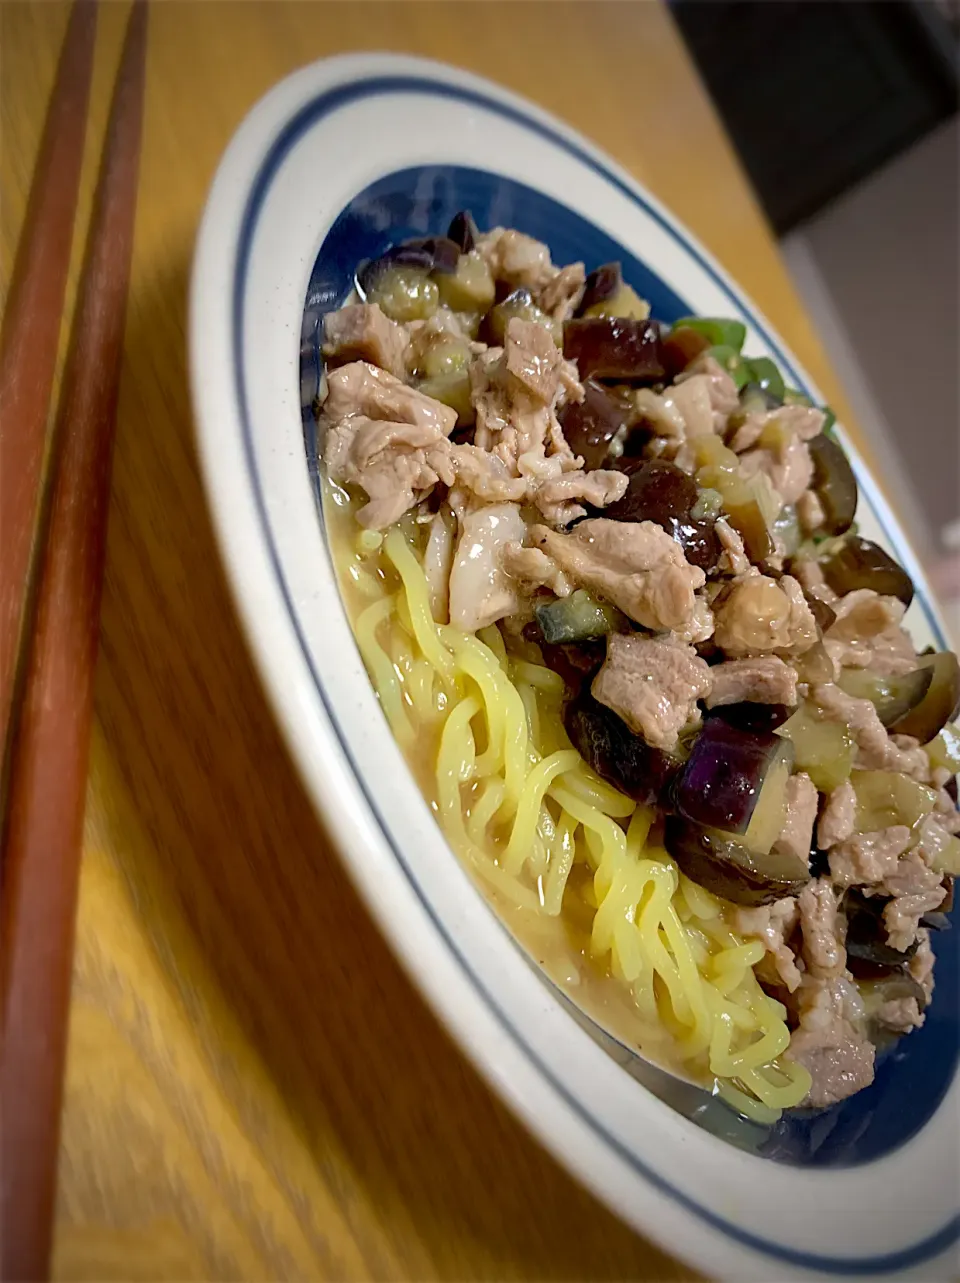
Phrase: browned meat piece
(723,391)
(361,332)
(533,359)
(761,680)
(822,929)
(828,1043)
(534,569)
(921,964)
(516,258)
(561,296)
(788,465)
(485,476)
(900,1015)
(653,685)
(773,924)
(386,438)
(634,565)
(764,614)
(733,559)
(839,813)
(867,858)
(797,832)
(481,592)
(877,752)
(810,576)
(810,512)
(801,421)
(561,500)
(867,634)
(916,890)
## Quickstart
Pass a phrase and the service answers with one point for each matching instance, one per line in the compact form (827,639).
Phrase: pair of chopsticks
(54,496)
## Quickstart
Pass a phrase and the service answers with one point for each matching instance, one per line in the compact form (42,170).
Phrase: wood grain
(253,1088)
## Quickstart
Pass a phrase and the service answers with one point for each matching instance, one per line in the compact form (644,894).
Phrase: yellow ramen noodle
(553,843)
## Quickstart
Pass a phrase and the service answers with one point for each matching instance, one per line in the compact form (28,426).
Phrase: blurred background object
(845,117)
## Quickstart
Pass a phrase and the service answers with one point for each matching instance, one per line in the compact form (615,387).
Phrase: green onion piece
(829,421)
(720,332)
(763,371)
(731,360)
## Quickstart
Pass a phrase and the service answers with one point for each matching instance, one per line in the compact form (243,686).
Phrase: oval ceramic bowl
(335,162)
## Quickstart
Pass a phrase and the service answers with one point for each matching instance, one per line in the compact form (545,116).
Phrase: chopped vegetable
(660,491)
(940,704)
(823,749)
(520,303)
(578,617)
(404,293)
(719,331)
(736,780)
(892,696)
(590,426)
(834,483)
(731,360)
(944,751)
(860,563)
(463,231)
(885,798)
(729,868)
(607,347)
(469,287)
(762,371)
(617,755)
(867,933)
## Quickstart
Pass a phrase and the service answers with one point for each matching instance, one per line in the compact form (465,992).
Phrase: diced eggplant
(601,285)
(428,254)
(663,493)
(942,850)
(518,303)
(751,717)
(608,294)
(823,613)
(867,932)
(893,696)
(606,347)
(718,331)
(895,986)
(404,291)
(860,563)
(735,781)
(590,425)
(463,231)
(617,755)
(940,704)
(576,662)
(815,664)
(949,881)
(834,483)
(944,751)
(453,389)
(680,347)
(824,749)
(885,798)
(729,868)
(951,789)
(578,617)
(469,287)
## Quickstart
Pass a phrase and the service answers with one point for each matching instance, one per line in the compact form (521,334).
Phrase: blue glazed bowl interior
(914,1075)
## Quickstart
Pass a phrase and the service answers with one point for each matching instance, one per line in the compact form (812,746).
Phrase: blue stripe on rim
(307,117)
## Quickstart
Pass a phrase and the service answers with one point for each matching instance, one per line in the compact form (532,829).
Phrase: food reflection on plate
(606,579)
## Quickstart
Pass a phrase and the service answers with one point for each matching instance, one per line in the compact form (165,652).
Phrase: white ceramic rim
(319,174)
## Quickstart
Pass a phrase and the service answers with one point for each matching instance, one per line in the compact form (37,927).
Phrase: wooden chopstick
(28,343)
(50,755)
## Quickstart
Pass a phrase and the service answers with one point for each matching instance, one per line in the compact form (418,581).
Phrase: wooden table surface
(254,1090)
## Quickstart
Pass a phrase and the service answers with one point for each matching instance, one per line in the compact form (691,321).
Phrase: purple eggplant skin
(576,662)
(951,787)
(727,869)
(617,755)
(752,718)
(614,347)
(463,231)
(860,563)
(661,492)
(429,254)
(722,778)
(590,425)
(601,284)
(867,933)
(834,483)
